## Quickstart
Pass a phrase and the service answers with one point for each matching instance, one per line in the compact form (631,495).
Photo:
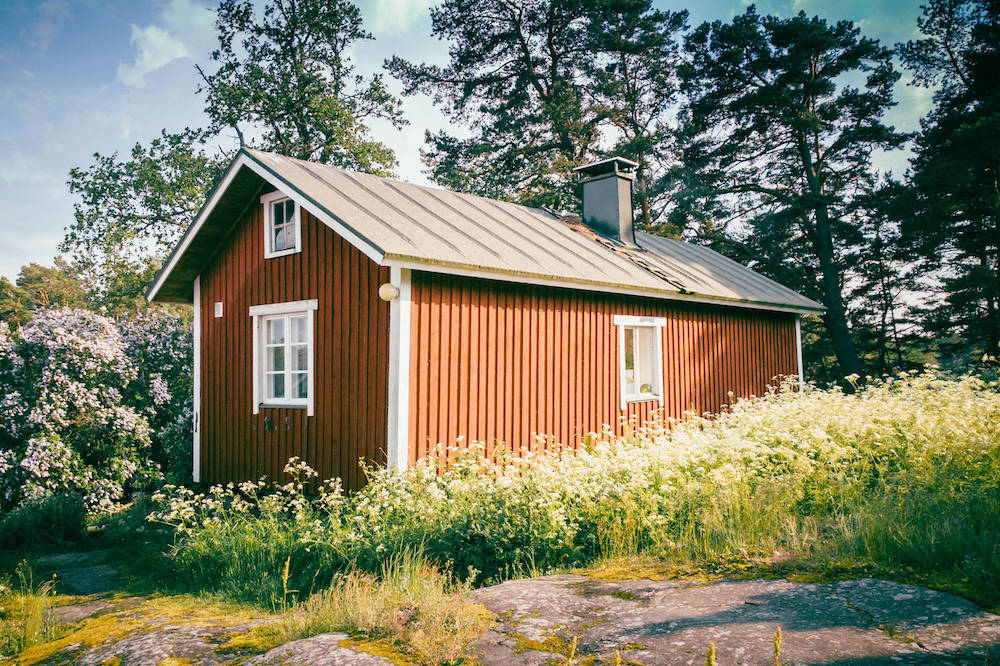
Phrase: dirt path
(549,619)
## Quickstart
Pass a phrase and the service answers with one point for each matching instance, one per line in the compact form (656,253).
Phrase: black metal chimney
(607,197)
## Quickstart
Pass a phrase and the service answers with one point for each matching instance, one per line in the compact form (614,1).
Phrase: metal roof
(398,223)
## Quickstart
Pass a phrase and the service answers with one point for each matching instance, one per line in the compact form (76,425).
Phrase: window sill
(642,397)
(281,253)
(282,405)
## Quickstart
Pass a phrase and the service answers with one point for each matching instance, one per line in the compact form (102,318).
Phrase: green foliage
(133,209)
(902,473)
(409,606)
(777,139)
(25,618)
(288,74)
(39,287)
(539,85)
(954,228)
(44,522)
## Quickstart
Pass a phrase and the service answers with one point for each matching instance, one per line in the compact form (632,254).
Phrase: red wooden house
(341,316)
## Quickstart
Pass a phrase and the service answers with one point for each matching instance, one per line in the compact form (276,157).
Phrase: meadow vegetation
(899,477)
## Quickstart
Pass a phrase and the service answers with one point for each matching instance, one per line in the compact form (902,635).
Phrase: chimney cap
(608,165)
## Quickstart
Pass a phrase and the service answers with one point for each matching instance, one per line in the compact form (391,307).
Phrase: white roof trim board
(424,228)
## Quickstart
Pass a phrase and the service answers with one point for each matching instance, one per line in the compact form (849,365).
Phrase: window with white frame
(640,358)
(283,355)
(282,228)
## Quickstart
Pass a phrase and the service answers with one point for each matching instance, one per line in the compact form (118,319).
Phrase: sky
(78,77)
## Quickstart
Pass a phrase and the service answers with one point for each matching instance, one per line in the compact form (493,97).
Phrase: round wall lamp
(388,291)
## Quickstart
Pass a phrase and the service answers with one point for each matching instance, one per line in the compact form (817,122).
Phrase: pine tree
(779,144)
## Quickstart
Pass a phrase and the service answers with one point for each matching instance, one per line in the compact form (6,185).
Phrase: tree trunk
(836,312)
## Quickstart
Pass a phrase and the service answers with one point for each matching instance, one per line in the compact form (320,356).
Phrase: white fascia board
(606,288)
(245,160)
(322,215)
(197,224)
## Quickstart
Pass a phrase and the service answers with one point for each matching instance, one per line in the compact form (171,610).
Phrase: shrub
(49,520)
(904,472)
(88,405)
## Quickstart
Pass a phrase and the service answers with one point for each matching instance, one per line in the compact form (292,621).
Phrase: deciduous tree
(287,74)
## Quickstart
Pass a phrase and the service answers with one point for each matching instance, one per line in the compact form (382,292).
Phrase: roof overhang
(239,188)
(416,263)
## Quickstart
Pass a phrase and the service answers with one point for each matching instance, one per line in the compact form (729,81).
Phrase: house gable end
(238,190)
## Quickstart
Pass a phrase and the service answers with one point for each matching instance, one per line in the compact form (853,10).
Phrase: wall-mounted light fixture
(388,291)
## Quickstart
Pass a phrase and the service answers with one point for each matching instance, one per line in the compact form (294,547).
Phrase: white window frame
(268,200)
(656,323)
(259,313)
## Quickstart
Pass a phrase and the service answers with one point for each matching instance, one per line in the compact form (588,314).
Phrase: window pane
(276,386)
(275,331)
(289,211)
(275,358)
(630,351)
(300,357)
(648,363)
(301,381)
(298,329)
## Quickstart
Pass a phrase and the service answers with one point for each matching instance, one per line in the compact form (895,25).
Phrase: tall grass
(409,607)
(25,612)
(902,473)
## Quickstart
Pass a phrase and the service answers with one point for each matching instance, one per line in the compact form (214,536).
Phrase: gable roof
(411,226)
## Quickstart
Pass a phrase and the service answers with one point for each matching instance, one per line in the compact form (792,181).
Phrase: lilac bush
(88,404)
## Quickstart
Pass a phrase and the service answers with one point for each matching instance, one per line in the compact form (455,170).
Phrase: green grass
(901,476)
(899,480)
(410,611)
(26,616)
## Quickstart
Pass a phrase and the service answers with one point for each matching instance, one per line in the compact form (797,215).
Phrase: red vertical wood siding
(351,357)
(504,362)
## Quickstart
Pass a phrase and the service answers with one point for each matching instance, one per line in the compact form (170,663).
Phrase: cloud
(396,17)
(54,15)
(185,30)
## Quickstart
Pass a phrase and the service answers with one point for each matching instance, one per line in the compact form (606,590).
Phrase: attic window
(282,227)
(640,358)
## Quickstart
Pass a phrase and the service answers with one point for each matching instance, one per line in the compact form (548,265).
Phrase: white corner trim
(196,370)
(258,312)
(398,440)
(283,308)
(266,200)
(798,347)
(244,160)
(623,321)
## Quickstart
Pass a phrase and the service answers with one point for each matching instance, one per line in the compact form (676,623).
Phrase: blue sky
(85,76)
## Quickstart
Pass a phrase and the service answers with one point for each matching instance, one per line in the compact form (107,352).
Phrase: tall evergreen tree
(777,138)
(538,84)
(956,171)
